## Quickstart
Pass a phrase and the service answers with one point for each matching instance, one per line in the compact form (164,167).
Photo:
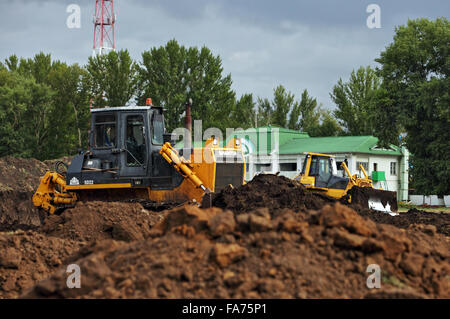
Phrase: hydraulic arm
(182,165)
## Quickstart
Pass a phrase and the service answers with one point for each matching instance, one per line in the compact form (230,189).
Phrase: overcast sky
(263,43)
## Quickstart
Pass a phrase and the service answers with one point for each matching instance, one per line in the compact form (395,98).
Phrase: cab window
(105,131)
(135,140)
(320,166)
(157,129)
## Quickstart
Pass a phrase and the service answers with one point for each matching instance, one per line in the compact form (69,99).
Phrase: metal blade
(375,204)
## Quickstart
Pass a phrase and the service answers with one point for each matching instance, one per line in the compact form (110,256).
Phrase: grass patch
(404,207)
(393,281)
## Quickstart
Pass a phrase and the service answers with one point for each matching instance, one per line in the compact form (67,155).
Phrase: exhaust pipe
(188,125)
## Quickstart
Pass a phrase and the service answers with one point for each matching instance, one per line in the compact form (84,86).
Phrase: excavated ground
(271,238)
(19,179)
(214,253)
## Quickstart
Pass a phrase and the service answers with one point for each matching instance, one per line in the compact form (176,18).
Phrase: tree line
(44,104)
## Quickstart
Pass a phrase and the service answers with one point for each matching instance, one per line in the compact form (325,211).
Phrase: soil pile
(19,178)
(271,191)
(270,238)
(414,216)
(101,220)
(215,253)
(28,257)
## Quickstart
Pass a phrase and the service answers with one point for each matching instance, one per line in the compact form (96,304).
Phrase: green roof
(337,144)
(262,141)
(263,138)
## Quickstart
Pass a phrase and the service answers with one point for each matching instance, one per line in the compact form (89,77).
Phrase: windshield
(304,164)
(157,129)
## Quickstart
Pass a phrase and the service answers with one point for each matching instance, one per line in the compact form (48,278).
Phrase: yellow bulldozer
(319,174)
(130,157)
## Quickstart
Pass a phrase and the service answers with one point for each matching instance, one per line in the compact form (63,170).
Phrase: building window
(263,167)
(288,167)
(393,168)
(375,167)
(364,164)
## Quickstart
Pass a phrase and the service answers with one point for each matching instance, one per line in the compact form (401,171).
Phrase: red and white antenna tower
(104,21)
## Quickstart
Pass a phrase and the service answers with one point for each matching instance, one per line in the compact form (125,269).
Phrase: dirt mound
(102,220)
(440,220)
(20,173)
(271,238)
(19,179)
(28,257)
(215,253)
(271,191)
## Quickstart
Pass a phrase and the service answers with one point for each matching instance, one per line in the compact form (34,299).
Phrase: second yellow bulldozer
(319,174)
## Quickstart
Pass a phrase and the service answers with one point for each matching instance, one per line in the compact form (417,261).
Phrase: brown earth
(274,192)
(26,257)
(213,253)
(440,220)
(271,238)
(19,179)
(95,221)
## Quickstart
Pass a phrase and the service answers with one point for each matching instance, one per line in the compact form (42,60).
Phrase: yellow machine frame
(309,181)
(199,178)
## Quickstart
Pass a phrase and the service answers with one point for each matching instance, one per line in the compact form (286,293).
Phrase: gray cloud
(300,44)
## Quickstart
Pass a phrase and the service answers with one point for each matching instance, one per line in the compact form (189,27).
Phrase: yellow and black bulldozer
(319,174)
(130,157)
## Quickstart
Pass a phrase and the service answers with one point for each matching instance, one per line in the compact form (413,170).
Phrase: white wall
(383,164)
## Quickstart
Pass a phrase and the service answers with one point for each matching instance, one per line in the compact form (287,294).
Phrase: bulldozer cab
(120,141)
(320,171)
(124,146)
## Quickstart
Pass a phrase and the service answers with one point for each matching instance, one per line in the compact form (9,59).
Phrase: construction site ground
(431,209)
(271,238)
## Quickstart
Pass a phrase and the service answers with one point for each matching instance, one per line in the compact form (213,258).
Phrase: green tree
(12,62)
(264,112)
(172,74)
(282,103)
(305,114)
(15,96)
(38,67)
(24,108)
(416,97)
(275,112)
(113,78)
(328,126)
(43,107)
(69,82)
(243,114)
(355,101)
